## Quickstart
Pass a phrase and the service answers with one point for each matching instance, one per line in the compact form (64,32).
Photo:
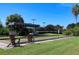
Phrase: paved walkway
(4,45)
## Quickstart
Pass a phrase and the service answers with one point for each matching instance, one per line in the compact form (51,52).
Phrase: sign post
(58,32)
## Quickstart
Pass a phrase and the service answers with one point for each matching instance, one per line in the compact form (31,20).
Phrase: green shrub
(42,32)
(75,31)
(68,32)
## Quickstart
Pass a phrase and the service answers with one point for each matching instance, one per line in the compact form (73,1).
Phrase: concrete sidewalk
(4,45)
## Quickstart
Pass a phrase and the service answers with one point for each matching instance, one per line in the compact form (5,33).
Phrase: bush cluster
(73,31)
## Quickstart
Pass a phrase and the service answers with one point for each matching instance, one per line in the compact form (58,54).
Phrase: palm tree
(75,11)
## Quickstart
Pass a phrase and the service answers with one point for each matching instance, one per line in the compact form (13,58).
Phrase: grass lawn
(51,34)
(59,47)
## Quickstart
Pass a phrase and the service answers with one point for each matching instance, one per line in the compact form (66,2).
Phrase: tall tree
(14,18)
(17,20)
(70,26)
(75,11)
(1,28)
(50,27)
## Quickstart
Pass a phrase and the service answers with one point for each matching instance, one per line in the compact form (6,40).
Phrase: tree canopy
(14,18)
(75,11)
(17,20)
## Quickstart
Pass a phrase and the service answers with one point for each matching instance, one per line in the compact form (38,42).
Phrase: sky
(50,13)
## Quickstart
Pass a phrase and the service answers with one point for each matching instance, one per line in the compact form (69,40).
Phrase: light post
(44,24)
(34,24)
(34,30)
(58,32)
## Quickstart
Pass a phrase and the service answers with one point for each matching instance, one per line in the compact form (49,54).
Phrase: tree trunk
(76,19)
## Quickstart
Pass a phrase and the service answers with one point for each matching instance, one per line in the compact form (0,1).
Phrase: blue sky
(51,13)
